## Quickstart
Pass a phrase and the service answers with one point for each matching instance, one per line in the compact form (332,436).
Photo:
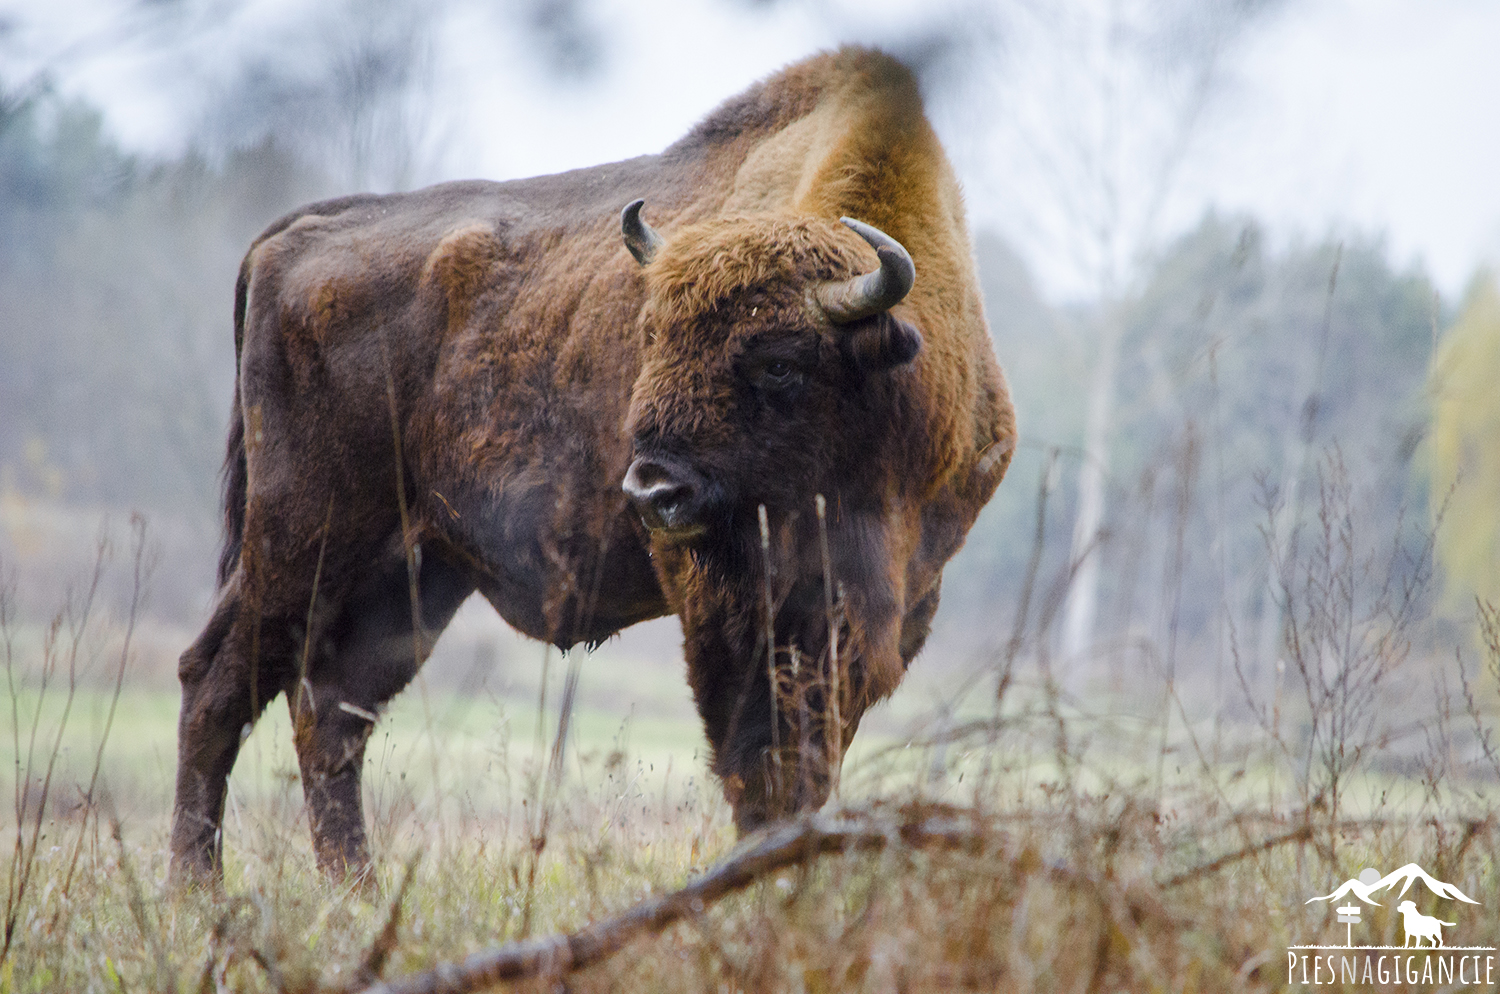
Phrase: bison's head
(782,457)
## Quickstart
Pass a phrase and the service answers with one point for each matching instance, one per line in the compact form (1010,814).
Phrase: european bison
(478,386)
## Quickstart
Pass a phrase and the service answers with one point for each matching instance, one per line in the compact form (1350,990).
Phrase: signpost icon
(1349,914)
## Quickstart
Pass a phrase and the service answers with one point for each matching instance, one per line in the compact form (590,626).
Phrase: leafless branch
(771,850)
(1301,834)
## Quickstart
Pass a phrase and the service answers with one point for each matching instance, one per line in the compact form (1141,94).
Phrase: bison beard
(776,750)
(492,387)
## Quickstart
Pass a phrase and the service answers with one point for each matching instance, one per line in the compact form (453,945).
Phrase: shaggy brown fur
(440,392)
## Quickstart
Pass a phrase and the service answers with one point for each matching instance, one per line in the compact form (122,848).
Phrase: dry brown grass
(1088,894)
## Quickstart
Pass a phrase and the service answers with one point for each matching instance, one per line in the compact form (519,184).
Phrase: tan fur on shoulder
(461,265)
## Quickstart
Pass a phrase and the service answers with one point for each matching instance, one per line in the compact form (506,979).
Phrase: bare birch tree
(1107,102)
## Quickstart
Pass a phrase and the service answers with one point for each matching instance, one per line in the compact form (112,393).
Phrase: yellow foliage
(1465,444)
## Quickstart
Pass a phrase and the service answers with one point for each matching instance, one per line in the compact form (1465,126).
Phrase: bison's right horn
(872,293)
(640,237)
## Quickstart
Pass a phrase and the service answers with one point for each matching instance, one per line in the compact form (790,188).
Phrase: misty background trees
(1465,444)
(1180,418)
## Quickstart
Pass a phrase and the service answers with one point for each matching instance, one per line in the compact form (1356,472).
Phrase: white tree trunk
(1083,596)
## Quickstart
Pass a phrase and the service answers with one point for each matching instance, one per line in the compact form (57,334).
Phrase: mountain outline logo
(1371,883)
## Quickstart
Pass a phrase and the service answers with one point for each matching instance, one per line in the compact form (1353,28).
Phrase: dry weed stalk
(421,644)
(1489,629)
(1348,618)
(140,571)
(1045,484)
(1488,617)
(385,941)
(835,681)
(142,913)
(772,683)
(74,619)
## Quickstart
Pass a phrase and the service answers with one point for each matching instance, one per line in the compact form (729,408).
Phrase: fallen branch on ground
(1302,834)
(776,849)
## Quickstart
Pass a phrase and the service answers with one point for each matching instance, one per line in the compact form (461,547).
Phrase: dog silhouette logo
(1419,926)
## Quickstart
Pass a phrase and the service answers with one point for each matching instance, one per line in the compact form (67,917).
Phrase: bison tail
(235,472)
(234,493)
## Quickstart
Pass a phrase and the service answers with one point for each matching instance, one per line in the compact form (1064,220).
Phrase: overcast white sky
(1340,115)
(1382,114)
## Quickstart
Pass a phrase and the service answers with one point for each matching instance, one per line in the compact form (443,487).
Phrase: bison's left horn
(871,293)
(640,237)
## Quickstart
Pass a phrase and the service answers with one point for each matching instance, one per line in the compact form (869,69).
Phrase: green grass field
(1120,840)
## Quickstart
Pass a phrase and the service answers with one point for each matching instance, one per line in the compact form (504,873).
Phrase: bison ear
(883,342)
(640,237)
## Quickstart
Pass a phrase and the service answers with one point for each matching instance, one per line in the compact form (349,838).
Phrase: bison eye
(779,376)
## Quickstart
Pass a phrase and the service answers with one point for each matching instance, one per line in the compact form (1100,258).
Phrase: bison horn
(640,237)
(872,293)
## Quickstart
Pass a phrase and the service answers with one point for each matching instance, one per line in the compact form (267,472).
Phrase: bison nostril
(666,495)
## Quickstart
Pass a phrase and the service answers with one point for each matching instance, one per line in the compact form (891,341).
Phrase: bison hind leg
(370,652)
(228,676)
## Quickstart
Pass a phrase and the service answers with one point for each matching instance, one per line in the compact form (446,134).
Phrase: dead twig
(772,850)
(1302,833)
(385,942)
